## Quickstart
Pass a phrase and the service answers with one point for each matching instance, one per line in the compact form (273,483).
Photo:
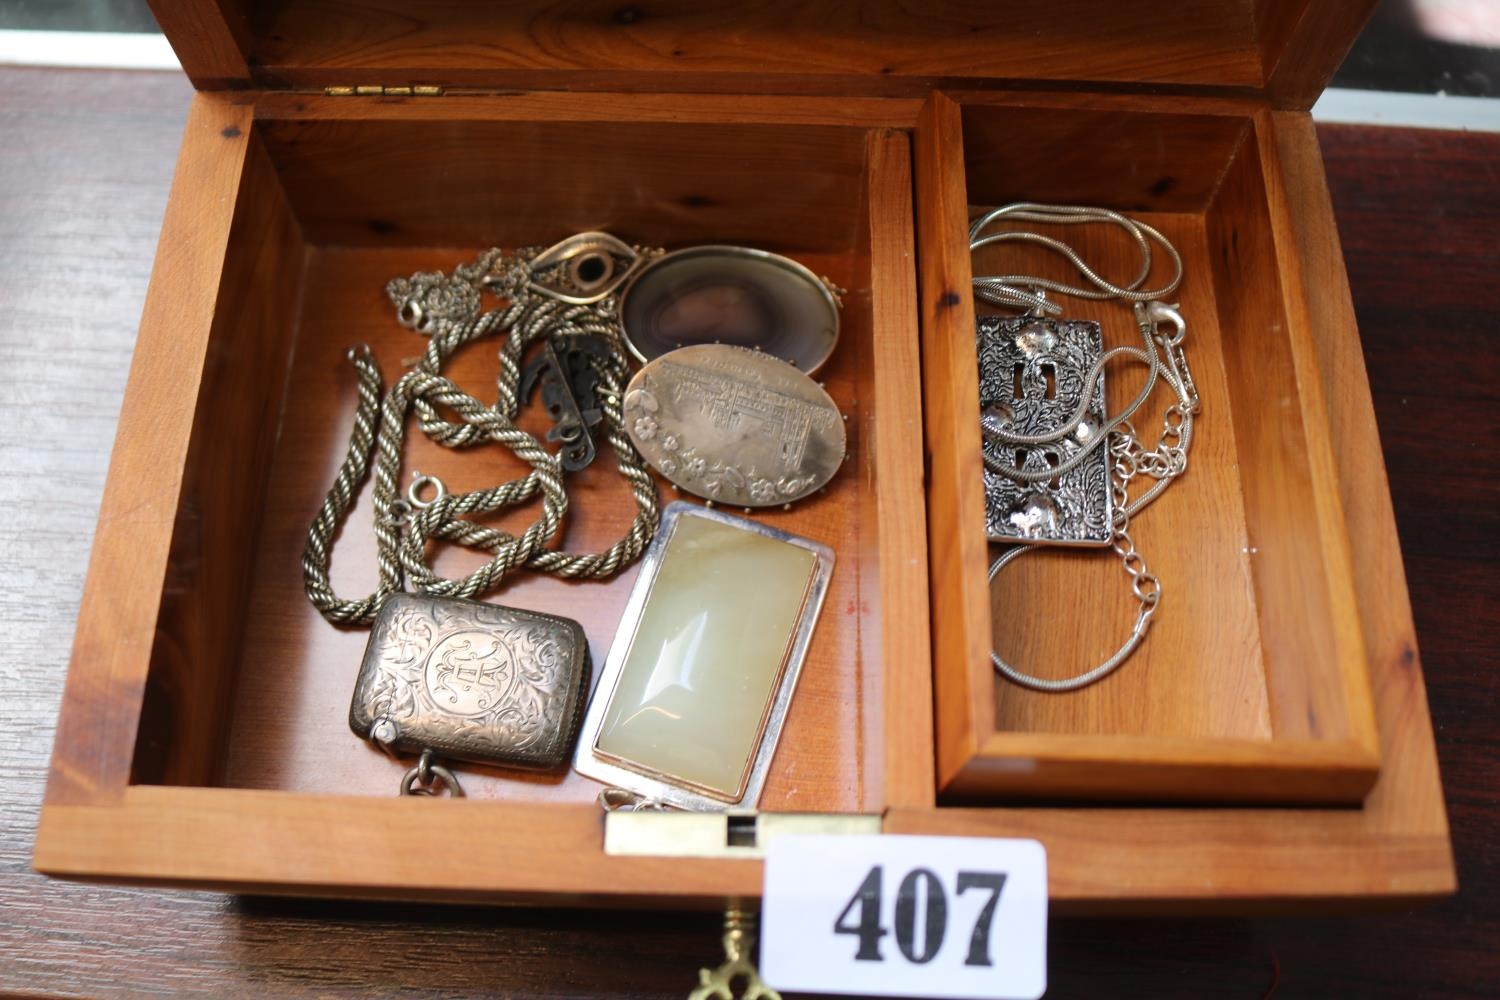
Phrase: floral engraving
(735,426)
(475,681)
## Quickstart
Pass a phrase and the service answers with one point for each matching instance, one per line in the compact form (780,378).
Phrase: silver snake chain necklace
(1058,469)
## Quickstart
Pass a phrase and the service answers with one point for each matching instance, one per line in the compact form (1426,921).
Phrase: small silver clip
(1151,315)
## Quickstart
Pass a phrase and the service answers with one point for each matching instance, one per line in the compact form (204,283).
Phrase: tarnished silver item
(470,681)
(586,268)
(532,306)
(429,777)
(1029,291)
(567,368)
(734,426)
(1035,374)
(1128,459)
(730,295)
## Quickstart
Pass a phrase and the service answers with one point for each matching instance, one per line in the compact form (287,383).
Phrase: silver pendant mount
(585,268)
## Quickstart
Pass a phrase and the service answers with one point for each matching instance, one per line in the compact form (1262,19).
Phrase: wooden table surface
(85,162)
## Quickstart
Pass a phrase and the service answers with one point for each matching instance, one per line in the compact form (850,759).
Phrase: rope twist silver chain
(447,308)
(1165,360)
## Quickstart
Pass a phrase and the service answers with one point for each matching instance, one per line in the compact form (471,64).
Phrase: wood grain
(1258,635)
(297,671)
(1203,672)
(1404,812)
(563,106)
(181,736)
(1171,163)
(899,673)
(87,183)
(1303,44)
(117,624)
(1296,202)
(1288,48)
(687,45)
(1318,681)
(365,182)
(238,840)
(212,41)
(289,689)
(955,518)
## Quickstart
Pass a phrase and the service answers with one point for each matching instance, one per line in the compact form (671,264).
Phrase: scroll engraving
(473,681)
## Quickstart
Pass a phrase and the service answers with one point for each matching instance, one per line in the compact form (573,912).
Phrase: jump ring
(1147,589)
(398,513)
(418,483)
(438,777)
(411,315)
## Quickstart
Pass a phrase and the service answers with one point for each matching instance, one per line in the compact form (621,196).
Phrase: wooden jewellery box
(1269,744)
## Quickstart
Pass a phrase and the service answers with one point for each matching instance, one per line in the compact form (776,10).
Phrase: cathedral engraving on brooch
(1032,378)
(474,681)
(735,426)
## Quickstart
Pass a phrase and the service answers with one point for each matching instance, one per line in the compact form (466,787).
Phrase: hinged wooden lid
(1283,49)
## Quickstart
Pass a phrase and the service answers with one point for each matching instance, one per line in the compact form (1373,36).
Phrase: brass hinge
(375,90)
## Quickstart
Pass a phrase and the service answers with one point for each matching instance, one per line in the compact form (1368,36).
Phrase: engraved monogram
(468,673)
(474,681)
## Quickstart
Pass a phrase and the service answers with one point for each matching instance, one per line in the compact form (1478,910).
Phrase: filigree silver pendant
(472,681)
(1033,373)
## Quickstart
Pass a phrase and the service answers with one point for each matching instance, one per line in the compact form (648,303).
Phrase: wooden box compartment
(1252,683)
(215,699)
(202,740)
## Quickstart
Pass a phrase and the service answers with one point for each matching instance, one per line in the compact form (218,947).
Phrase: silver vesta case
(472,681)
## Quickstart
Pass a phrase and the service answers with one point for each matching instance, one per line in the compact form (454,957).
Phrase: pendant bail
(1039,303)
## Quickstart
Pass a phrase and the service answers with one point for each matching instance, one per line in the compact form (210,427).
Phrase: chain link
(1028,291)
(1129,460)
(446,308)
(1128,455)
(428,777)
